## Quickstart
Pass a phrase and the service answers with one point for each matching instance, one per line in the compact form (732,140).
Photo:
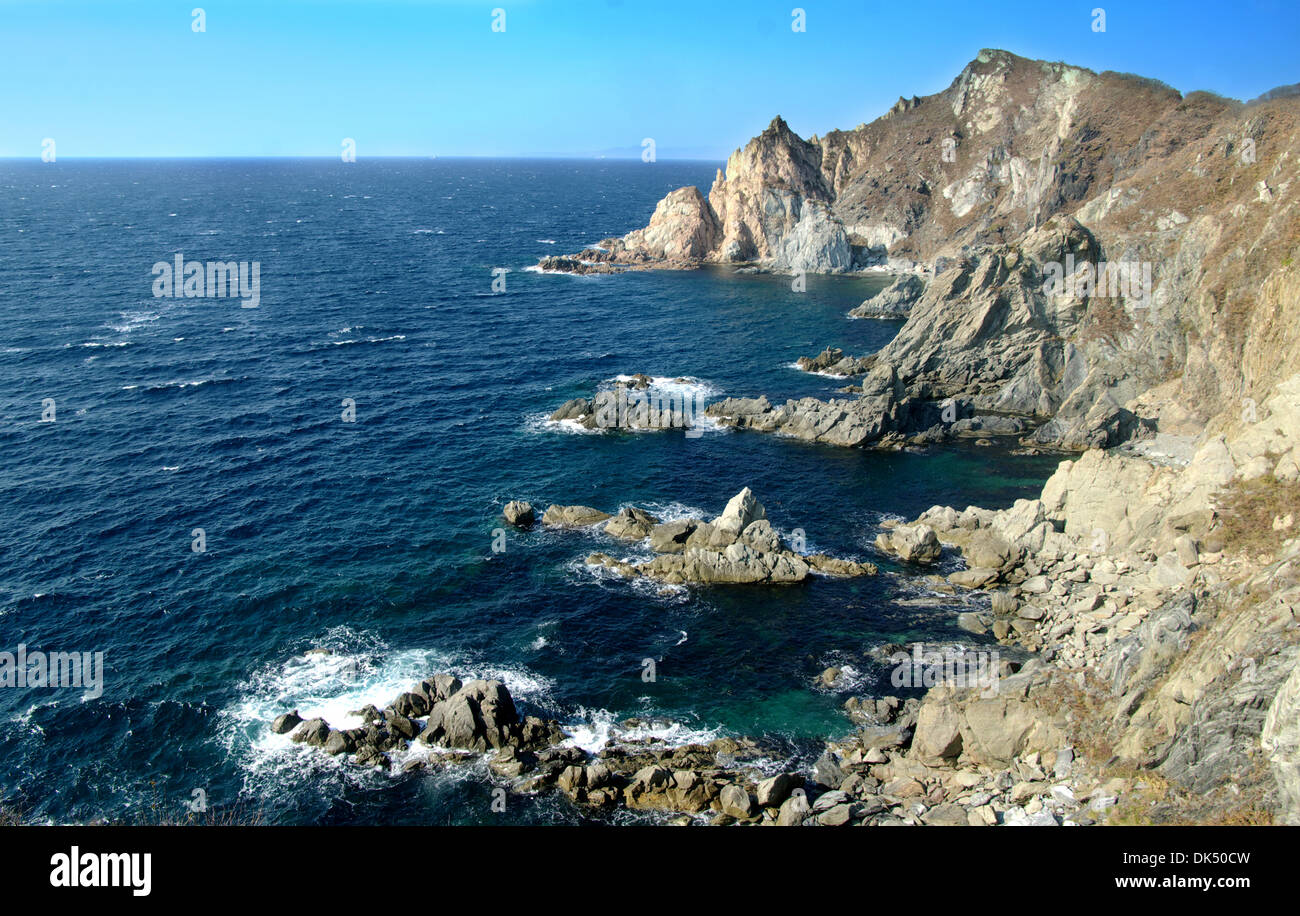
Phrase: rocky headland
(1088,262)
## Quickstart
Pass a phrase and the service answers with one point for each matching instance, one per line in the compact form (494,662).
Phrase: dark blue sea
(373,539)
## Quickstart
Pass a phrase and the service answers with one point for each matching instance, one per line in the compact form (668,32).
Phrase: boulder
(286,723)
(479,716)
(572,516)
(631,524)
(518,513)
(312,732)
(736,802)
(771,792)
(911,543)
(741,510)
(793,811)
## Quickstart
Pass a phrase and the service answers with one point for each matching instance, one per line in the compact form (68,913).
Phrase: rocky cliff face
(1169,608)
(1108,257)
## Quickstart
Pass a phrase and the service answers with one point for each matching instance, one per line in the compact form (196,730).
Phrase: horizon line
(335,157)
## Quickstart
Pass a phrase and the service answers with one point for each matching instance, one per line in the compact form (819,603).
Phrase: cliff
(1112,264)
(1175,217)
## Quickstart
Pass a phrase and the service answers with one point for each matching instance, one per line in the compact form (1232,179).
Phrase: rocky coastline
(1091,263)
(1136,626)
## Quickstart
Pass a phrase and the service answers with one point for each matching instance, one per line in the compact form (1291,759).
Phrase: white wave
(537,269)
(703,425)
(195,383)
(852,679)
(542,423)
(650,589)
(679,385)
(823,373)
(352,671)
(133,320)
(357,340)
(674,511)
(594,730)
(547,241)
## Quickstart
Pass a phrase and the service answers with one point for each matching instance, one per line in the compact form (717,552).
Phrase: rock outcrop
(894,301)
(1108,267)
(833,361)
(635,403)
(1183,642)
(739,547)
(519,513)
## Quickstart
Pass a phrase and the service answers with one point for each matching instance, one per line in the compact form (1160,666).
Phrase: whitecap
(595,730)
(681,385)
(542,423)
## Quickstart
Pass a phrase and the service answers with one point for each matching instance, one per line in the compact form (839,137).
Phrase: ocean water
(374,539)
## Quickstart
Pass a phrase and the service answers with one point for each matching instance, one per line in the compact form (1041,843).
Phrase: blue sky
(420,77)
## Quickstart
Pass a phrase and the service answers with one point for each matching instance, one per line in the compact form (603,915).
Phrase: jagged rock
(741,510)
(835,566)
(573,409)
(1280,740)
(337,742)
(895,301)
(312,732)
(479,716)
(517,513)
(682,228)
(671,537)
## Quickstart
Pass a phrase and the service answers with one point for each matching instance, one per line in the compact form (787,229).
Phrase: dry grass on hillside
(1250,509)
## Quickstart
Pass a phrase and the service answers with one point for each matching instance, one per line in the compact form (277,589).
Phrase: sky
(132,78)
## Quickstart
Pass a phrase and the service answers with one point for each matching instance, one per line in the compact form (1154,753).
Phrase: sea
(249,510)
